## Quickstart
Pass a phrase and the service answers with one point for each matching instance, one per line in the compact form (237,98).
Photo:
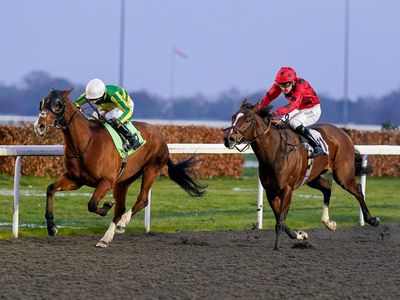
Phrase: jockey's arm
(127,111)
(80,101)
(294,103)
(271,95)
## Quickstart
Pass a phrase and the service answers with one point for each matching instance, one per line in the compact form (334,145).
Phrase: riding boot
(131,138)
(303,131)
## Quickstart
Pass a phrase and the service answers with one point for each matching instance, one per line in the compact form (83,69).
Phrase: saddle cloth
(118,141)
(318,137)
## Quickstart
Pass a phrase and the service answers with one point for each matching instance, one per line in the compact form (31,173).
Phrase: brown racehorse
(283,164)
(91,159)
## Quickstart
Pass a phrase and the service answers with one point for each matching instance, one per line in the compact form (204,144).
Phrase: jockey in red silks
(303,108)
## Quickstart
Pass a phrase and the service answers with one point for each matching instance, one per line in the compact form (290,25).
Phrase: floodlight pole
(346,64)
(121,47)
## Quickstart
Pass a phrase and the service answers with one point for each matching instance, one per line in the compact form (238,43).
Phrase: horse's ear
(65,93)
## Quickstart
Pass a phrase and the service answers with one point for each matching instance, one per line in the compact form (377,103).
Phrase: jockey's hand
(114,123)
(280,124)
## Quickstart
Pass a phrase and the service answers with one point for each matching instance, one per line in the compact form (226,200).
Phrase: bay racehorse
(283,163)
(91,159)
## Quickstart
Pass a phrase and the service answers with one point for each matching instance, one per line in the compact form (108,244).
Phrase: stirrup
(135,144)
(126,146)
(318,151)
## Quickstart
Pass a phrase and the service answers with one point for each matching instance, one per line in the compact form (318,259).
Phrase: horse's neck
(268,142)
(78,132)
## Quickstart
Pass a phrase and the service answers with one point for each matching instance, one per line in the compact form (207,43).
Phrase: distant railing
(58,150)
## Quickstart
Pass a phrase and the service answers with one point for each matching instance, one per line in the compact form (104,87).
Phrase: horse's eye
(248,120)
(57,106)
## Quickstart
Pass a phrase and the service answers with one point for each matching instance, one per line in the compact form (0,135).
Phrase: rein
(242,138)
(64,126)
(253,125)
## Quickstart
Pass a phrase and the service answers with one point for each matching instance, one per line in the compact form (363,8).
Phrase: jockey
(114,104)
(303,108)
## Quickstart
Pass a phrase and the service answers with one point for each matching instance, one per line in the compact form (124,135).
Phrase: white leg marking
(331,225)
(126,217)
(108,236)
(325,214)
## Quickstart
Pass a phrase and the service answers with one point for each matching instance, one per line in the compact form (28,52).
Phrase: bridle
(55,103)
(242,139)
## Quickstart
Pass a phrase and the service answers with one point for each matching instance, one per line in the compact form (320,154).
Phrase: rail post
(260,205)
(17,176)
(363,182)
(147,213)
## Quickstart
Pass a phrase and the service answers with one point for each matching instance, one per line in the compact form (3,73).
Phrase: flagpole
(172,78)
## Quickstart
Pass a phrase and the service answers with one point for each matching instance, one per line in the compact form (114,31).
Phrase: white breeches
(305,117)
(115,113)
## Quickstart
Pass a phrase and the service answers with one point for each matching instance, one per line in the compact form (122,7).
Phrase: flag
(180,53)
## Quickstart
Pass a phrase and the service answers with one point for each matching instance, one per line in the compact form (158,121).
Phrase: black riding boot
(132,138)
(303,131)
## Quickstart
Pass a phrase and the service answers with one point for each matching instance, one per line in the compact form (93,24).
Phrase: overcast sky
(229,43)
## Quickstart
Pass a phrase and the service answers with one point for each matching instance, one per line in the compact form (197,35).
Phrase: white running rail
(58,150)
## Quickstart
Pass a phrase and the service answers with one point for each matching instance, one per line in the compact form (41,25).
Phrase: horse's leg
(120,217)
(280,206)
(347,181)
(120,191)
(100,192)
(293,234)
(149,175)
(325,186)
(275,204)
(62,184)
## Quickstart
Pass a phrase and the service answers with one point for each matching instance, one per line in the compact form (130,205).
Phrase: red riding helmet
(285,74)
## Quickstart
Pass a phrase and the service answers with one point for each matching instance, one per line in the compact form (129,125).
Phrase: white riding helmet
(95,89)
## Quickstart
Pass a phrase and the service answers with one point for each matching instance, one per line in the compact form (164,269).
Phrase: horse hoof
(331,225)
(52,230)
(302,235)
(375,221)
(108,205)
(120,229)
(102,244)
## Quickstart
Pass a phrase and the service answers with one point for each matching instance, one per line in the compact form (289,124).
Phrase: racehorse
(283,162)
(91,159)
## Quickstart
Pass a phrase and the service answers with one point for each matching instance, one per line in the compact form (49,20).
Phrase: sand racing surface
(356,263)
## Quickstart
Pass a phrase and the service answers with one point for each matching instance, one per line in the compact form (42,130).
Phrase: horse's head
(52,111)
(243,126)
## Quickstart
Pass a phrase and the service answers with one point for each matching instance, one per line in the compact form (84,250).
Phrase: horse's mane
(246,104)
(265,113)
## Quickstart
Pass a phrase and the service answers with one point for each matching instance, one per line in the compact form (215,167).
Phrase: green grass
(230,204)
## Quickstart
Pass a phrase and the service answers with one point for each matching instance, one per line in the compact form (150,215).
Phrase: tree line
(23,99)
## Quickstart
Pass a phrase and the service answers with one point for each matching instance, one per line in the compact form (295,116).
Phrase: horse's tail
(360,170)
(179,173)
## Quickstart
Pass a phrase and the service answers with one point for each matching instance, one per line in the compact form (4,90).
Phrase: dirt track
(361,262)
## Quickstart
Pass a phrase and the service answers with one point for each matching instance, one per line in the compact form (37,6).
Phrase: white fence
(58,150)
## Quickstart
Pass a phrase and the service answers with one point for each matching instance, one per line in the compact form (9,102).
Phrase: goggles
(285,85)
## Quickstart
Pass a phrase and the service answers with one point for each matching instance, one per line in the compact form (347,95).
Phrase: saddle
(303,140)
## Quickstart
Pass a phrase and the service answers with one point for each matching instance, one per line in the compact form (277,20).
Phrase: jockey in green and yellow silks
(114,104)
